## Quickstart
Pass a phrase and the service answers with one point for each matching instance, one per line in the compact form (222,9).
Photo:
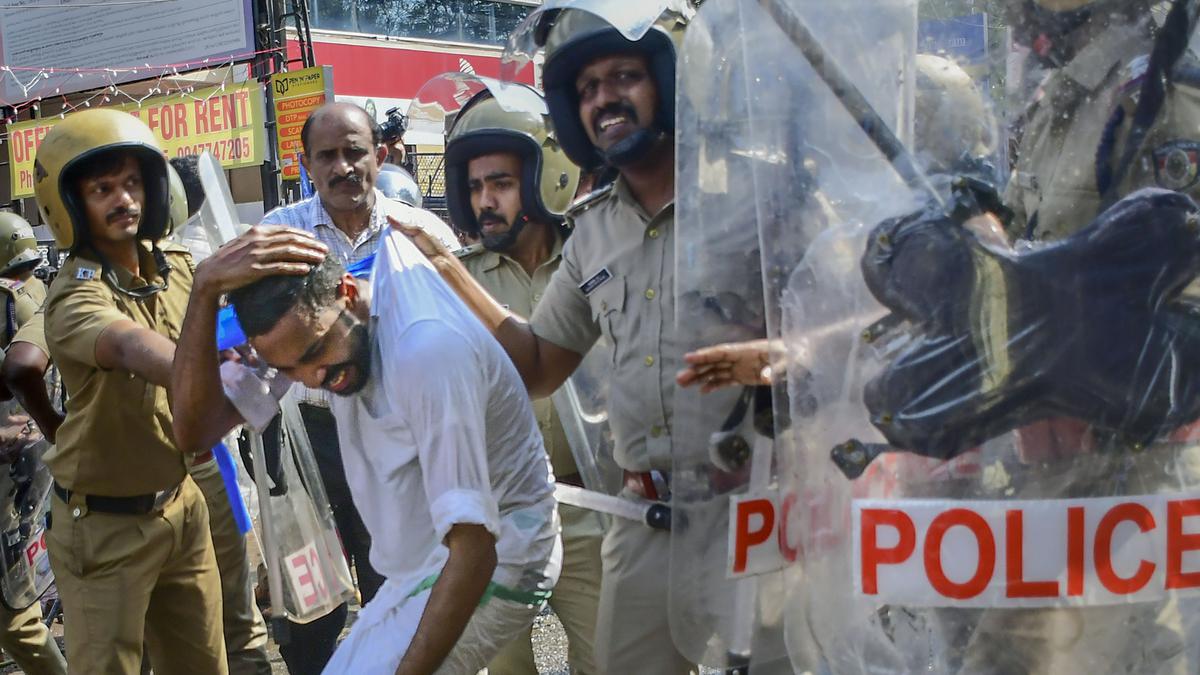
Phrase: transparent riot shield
(307,572)
(750,204)
(24,503)
(580,402)
(995,450)
(216,222)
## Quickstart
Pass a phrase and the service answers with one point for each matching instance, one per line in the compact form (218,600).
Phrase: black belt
(136,505)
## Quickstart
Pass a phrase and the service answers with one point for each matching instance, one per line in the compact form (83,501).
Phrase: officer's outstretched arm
(202,413)
(24,372)
(543,365)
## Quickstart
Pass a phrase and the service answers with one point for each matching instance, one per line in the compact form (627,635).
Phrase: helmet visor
(439,101)
(631,19)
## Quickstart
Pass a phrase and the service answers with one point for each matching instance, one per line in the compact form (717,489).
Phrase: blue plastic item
(225,463)
(229,331)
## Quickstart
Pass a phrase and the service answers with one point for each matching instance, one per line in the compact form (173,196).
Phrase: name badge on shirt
(596,281)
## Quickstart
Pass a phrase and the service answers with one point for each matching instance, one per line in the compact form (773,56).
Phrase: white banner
(43,44)
(948,553)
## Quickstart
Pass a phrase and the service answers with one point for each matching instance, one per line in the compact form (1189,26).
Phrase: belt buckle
(660,485)
(163,497)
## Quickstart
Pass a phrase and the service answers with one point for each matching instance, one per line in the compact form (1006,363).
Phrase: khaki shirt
(1055,176)
(117,439)
(617,280)
(27,297)
(34,331)
(511,285)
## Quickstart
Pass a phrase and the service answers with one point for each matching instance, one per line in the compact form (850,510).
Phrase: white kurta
(443,433)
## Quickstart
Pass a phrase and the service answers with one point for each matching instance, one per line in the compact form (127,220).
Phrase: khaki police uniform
(1079,124)
(23,636)
(125,576)
(616,280)
(33,331)
(22,300)
(244,628)
(1056,173)
(577,593)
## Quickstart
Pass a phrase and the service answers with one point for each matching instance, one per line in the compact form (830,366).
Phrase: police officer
(509,183)
(397,183)
(1071,164)
(23,637)
(1076,131)
(23,292)
(612,102)
(243,624)
(129,539)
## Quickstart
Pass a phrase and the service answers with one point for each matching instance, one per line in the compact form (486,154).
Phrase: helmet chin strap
(504,242)
(160,261)
(633,148)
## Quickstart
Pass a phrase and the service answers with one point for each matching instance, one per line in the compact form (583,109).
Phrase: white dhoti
(386,626)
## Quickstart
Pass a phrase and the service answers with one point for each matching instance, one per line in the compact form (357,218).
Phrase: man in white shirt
(343,151)
(437,433)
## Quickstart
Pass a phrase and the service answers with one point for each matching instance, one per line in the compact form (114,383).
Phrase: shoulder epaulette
(589,200)
(168,246)
(10,285)
(469,251)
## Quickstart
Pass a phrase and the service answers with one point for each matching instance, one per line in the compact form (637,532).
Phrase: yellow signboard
(229,123)
(297,94)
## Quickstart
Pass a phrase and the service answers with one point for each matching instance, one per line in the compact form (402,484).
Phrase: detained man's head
(494,183)
(313,328)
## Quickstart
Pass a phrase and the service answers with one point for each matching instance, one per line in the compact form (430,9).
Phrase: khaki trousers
(245,630)
(633,633)
(123,578)
(575,601)
(27,640)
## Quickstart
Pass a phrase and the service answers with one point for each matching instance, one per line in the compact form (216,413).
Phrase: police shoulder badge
(1177,164)
(85,274)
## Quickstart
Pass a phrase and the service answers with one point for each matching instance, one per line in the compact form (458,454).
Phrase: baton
(850,97)
(652,514)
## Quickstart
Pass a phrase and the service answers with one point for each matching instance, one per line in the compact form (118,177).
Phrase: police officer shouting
(612,101)
(129,539)
(509,183)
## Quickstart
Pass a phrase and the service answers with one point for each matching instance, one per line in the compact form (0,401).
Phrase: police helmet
(573,38)
(18,246)
(952,120)
(484,126)
(69,146)
(396,183)
(179,202)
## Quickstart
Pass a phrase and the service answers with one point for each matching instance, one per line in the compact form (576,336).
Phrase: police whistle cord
(656,515)
(850,97)
(1169,46)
